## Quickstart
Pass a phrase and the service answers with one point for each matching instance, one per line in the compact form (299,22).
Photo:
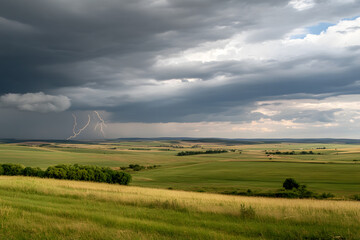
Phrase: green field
(334,169)
(35,208)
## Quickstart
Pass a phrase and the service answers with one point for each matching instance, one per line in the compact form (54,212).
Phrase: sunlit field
(34,208)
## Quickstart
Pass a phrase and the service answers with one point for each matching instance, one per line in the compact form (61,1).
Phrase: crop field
(35,208)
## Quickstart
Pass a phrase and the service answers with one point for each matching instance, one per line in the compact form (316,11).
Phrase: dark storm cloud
(41,35)
(103,55)
(222,102)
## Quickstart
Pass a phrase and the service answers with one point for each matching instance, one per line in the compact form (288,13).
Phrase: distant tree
(290,183)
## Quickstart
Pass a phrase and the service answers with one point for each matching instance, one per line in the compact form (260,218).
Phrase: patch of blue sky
(298,36)
(319,28)
(315,29)
(351,18)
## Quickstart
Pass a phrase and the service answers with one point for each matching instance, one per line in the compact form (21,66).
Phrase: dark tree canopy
(70,172)
(290,183)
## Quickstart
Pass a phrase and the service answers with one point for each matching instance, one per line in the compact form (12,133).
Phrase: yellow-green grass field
(35,208)
(336,169)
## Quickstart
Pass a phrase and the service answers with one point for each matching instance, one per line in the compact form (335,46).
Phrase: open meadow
(332,168)
(177,197)
(35,208)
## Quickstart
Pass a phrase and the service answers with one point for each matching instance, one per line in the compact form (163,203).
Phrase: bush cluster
(147,149)
(282,194)
(70,172)
(356,197)
(137,167)
(186,153)
(291,189)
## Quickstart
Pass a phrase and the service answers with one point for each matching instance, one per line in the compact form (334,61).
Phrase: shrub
(246,212)
(136,167)
(290,183)
(304,193)
(326,195)
(356,197)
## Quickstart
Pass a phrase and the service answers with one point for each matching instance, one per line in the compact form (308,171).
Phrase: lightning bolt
(100,124)
(80,130)
(75,124)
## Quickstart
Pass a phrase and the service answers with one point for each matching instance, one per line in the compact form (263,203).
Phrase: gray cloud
(35,102)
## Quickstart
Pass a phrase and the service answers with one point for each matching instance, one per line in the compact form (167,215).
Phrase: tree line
(288,153)
(70,172)
(186,153)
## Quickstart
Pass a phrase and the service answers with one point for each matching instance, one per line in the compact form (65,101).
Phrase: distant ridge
(205,140)
(278,140)
(248,140)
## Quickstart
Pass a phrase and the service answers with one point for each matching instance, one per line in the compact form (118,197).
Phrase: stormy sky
(190,68)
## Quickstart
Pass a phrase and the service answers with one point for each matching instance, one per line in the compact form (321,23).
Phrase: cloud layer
(241,64)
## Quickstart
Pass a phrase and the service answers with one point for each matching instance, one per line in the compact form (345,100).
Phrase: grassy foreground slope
(33,208)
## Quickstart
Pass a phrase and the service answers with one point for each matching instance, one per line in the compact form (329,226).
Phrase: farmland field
(334,169)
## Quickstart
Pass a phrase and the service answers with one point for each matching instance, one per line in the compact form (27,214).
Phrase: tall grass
(32,208)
